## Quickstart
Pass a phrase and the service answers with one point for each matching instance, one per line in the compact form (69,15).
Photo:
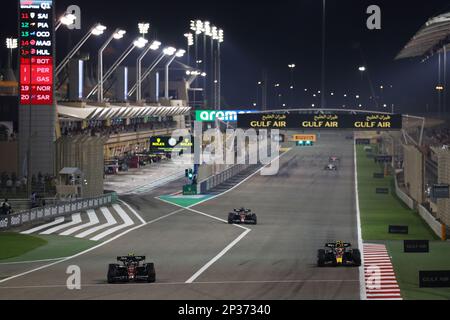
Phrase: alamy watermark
(232,147)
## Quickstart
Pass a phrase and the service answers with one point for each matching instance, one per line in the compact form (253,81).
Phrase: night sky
(271,34)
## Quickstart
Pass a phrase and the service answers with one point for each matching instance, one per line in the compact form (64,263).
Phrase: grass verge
(16,247)
(378,212)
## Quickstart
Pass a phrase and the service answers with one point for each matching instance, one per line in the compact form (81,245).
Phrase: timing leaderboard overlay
(321,121)
(36,52)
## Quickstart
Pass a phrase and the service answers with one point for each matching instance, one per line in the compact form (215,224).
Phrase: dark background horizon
(268,36)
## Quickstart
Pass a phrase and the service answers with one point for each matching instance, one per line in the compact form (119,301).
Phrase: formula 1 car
(334,159)
(338,254)
(242,216)
(133,269)
(331,167)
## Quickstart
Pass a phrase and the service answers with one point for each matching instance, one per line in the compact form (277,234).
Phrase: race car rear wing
(333,245)
(131,258)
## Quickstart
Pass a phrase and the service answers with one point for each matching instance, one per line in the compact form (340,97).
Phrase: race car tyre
(150,271)
(356,255)
(230,218)
(321,258)
(254,219)
(112,272)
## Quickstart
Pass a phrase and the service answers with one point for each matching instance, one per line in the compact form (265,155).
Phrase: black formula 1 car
(331,167)
(338,254)
(242,216)
(133,269)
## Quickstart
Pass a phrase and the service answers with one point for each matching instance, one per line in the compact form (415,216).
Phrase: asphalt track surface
(299,209)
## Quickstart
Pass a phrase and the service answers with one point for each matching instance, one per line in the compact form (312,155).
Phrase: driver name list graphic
(36,52)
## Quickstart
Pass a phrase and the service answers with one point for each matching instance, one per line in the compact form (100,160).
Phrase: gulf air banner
(320,121)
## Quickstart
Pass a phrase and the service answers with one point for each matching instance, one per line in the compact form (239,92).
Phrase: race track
(299,209)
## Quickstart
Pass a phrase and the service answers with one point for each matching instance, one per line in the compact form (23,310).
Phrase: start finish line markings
(185,201)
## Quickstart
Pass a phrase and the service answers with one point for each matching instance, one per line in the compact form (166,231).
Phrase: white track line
(240,237)
(127,223)
(133,211)
(362,281)
(93,220)
(217,257)
(110,221)
(44,226)
(76,219)
(30,261)
(90,249)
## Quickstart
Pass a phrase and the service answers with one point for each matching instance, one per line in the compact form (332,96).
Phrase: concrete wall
(414,172)
(85,153)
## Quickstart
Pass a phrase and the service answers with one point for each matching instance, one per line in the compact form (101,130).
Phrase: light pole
(153,46)
(147,72)
(138,43)
(176,54)
(118,34)
(96,30)
(67,19)
(292,86)
(219,70)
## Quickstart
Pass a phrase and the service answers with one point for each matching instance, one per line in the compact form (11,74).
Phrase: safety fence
(219,178)
(434,224)
(403,196)
(53,211)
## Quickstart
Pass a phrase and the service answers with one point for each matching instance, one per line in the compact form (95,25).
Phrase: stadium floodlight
(291,66)
(221,36)
(11,43)
(97,30)
(362,68)
(144,27)
(180,53)
(203,74)
(153,46)
(140,42)
(190,39)
(118,34)
(207,28)
(215,33)
(169,51)
(67,19)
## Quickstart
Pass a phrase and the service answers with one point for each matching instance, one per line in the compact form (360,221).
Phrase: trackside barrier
(221,177)
(438,228)
(403,196)
(53,211)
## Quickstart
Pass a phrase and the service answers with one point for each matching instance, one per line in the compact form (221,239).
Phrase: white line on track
(44,226)
(93,220)
(76,219)
(362,282)
(133,285)
(127,222)
(110,221)
(133,211)
(217,257)
(90,249)
(30,261)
